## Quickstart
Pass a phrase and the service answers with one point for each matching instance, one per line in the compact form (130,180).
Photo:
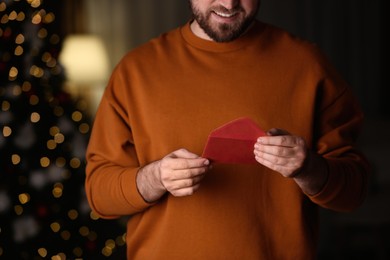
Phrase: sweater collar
(212,46)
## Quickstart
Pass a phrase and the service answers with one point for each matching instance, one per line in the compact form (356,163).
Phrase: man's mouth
(225,15)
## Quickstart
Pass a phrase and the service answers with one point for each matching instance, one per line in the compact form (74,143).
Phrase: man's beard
(223,32)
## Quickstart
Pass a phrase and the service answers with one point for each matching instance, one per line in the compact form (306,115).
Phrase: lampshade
(85,59)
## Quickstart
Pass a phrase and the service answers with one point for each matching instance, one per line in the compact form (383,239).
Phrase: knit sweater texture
(171,92)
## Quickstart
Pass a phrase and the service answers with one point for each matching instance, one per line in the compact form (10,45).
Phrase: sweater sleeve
(338,125)
(112,162)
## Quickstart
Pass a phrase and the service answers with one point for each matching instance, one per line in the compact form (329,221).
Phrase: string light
(7,131)
(18,210)
(55,227)
(24,198)
(78,252)
(19,39)
(59,138)
(21,17)
(5,106)
(77,116)
(34,3)
(65,235)
(84,128)
(58,190)
(35,117)
(34,100)
(84,231)
(16,90)
(42,33)
(51,144)
(42,252)
(12,16)
(13,73)
(73,214)
(15,159)
(26,86)
(45,162)
(49,18)
(60,162)
(3,6)
(75,163)
(18,50)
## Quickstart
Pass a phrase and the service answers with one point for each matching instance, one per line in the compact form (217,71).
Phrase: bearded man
(145,156)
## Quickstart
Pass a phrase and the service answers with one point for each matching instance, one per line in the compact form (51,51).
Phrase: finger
(187,174)
(184,153)
(185,191)
(285,170)
(276,160)
(179,163)
(282,140)
(279,151)
(185,183)
(277,131)
(269,164)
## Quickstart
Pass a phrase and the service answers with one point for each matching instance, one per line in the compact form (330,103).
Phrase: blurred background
(55,59)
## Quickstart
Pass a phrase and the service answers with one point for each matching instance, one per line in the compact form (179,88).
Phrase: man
(165,97)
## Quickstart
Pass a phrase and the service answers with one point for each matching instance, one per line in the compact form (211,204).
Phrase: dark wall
(350,32)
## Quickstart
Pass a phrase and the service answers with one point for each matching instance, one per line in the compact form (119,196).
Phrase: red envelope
(233,142)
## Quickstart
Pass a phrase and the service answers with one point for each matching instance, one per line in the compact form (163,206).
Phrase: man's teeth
(224,14)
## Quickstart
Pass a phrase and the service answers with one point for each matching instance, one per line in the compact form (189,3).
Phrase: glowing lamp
(85,59)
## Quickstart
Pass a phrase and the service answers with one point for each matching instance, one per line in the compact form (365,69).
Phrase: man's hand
(281,152)
(179,173)
(289,155)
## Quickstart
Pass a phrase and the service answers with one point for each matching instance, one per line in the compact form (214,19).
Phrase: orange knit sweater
(171,92)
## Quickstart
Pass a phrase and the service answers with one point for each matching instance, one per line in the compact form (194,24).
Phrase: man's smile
(225,15)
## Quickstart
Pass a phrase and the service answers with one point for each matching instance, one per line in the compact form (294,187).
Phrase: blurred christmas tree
(44,133)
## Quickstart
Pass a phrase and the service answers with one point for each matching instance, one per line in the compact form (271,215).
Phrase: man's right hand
(179,173)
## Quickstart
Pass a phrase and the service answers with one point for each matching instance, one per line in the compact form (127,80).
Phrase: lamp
(86,66)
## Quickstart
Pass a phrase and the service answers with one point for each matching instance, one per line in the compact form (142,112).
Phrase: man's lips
(224,14)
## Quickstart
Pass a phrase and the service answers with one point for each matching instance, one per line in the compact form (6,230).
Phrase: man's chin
(223,34)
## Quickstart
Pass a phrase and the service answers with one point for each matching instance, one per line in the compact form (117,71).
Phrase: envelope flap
(241,128)
(233,142)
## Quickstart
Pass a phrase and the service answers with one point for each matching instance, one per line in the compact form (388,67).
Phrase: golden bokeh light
(24,198)
(42,252)
(19,39)
(5,105)
(77,116)
(45,162)
(55,227)
(7,131)
(13,73)
(18,210)
(35,117)
(15,159)
(18,51)
(59,138)
(34,100)
(73,214)
(75,163)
